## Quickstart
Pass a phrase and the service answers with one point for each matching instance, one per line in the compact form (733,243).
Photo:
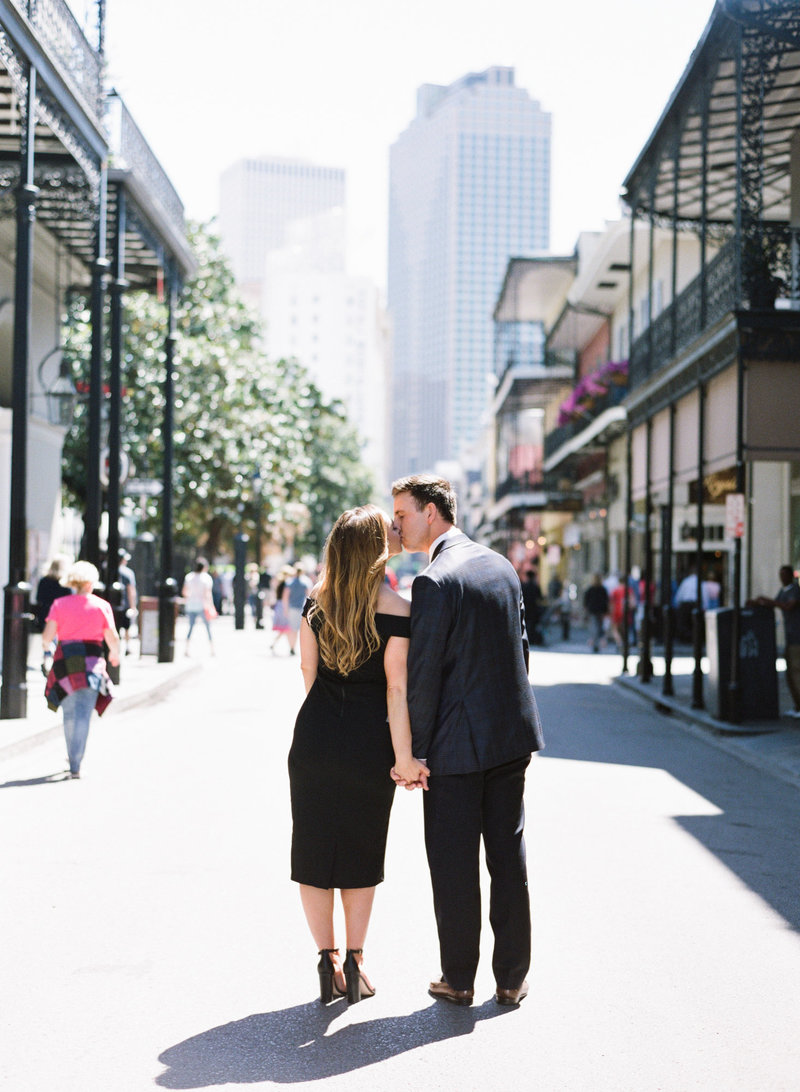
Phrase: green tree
(236,413)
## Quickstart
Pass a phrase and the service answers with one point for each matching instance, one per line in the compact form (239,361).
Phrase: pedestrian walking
(294,597)
(280,621)
(130,598)
(51,587)
(199,601)
(596,604)
(77,680)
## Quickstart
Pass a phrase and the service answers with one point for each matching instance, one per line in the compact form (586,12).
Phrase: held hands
(411,773)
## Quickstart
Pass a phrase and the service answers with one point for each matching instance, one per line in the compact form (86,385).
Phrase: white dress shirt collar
(449,533)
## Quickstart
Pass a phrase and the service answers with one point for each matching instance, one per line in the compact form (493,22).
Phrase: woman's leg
(77,711)
(318,908)
(357,903)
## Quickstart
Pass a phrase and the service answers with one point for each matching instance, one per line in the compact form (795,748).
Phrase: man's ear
(430,512)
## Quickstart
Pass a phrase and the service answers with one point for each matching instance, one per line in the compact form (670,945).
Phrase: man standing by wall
(474,721)
(788,602)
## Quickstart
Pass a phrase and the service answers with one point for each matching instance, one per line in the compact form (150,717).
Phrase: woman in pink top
(76,673)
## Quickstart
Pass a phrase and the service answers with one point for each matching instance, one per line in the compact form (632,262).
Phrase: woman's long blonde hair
(355,558)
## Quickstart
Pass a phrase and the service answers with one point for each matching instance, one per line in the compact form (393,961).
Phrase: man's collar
(437,542)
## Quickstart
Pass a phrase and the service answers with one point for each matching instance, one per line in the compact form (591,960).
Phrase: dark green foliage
(236,413)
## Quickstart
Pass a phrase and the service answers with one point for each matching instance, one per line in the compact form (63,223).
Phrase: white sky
(335,82)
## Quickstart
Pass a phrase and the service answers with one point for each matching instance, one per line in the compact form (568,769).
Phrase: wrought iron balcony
(63,38)
(700,306)
(554,495)
(561,435)
(130,151)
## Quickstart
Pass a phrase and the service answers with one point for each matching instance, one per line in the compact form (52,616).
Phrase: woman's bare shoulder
(389,602)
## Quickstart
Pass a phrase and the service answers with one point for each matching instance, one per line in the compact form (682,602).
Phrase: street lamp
(60,392)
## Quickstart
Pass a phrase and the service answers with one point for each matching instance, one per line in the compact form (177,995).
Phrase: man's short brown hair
(428,489)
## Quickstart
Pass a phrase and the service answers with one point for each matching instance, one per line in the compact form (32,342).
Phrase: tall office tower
(259,198)
(334,324)
(469,188)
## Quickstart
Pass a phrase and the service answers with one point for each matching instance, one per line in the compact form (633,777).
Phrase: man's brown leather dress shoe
(511,997)
(445,992)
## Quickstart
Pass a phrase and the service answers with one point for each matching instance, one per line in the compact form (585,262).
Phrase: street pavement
(151,937)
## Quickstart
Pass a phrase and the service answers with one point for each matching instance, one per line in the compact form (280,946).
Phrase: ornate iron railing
(555,494)
(562,434)
(681,322)
(130,151)
(60,32)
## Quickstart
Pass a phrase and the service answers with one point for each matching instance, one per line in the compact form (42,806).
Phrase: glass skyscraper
(469,188)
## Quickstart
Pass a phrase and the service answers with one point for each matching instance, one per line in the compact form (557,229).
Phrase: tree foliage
(240,420)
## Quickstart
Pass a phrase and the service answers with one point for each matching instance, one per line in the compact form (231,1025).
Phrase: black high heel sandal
(328,990)
(357,984)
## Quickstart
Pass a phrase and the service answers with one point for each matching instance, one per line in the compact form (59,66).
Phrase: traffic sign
(144,487)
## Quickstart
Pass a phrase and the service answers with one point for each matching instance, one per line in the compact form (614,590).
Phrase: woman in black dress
(353,649)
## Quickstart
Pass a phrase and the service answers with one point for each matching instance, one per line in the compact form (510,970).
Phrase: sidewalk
(142,680)
(769,745)
(772,746)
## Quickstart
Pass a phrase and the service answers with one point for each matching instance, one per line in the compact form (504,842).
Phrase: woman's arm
(407,770)
(48,635)
(111,638)
(309,654)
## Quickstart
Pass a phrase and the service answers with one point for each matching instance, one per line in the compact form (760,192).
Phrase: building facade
(85,207)
(680,429)
(334,323)
(469,188)
(259,199)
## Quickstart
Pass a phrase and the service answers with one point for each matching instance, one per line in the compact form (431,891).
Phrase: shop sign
(734,515)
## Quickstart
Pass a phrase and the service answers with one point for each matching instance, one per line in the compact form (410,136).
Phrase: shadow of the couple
(45,779)
(293,1045)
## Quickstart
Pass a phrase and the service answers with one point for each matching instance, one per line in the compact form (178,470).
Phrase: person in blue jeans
(199,600)
(295,596)
(78,629)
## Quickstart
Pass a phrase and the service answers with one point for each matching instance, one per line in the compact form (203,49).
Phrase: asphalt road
(150,937)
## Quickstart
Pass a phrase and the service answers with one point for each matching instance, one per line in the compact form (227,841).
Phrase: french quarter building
(84,206)
(681,323)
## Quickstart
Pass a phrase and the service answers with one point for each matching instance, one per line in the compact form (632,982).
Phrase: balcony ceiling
(772,28)
(575,328)
(70,142)
(534,289)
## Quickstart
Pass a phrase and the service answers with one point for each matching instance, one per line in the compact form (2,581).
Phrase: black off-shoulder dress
(339,765)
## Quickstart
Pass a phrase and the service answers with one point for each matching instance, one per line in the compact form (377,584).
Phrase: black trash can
(758,677)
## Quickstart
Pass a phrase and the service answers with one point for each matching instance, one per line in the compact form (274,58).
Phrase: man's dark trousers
(459,809)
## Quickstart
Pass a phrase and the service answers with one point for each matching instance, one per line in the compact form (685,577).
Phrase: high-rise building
(283,226)
(469,188)
(334,324)
(259,198)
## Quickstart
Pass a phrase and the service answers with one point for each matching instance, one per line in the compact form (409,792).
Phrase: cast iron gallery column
(14,696)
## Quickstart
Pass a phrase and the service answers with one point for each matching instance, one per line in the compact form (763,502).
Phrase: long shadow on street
(757,836)
(293,1045)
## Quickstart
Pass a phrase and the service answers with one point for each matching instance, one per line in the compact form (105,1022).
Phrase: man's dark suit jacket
(471,704)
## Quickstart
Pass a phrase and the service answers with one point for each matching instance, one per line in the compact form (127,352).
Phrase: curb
(717,734)
(123,703)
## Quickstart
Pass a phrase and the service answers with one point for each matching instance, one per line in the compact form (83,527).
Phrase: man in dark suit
(474,721)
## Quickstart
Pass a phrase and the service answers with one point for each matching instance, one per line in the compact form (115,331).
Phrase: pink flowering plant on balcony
(580,403)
